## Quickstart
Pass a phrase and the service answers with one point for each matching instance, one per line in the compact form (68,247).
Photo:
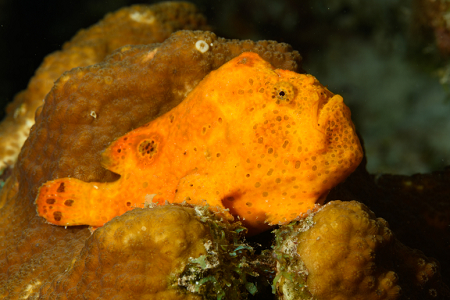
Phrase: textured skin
(90,107)
(297,142)
(138,255)
(345,252)
(139,24)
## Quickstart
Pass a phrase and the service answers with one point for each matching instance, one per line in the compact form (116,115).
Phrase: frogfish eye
(283,91)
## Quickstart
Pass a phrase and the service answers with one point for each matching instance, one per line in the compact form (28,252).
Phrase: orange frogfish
(257,143)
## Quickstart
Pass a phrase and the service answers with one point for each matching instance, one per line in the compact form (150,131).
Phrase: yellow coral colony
(265,143)
(344,251)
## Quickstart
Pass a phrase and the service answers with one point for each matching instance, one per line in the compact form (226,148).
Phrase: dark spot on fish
(57,215)
(229,199)
(148,147)
(60,188)
(68,202)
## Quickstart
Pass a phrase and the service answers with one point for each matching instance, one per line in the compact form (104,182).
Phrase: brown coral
(85,111)
(139,24)
(142,252)
(345,252)
(417,207)
(160,252)
(90,107)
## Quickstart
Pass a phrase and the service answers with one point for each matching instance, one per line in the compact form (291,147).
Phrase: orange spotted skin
(265,143)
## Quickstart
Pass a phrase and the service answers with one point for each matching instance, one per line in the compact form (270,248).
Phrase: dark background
(370,51)
(29,30)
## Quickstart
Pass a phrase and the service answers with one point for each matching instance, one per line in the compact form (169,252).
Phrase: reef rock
(344,252)
(163,252)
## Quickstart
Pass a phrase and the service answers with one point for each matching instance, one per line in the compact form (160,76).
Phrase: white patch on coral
(130,236)
(143,17)
(20,111)
(149,56)
(28,123)
(202,46)
(14,141)
(201,210)
(208,245)
(93,114)
(31,288)
(187,89)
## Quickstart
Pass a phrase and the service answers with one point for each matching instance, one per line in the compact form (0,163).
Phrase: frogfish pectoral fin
(68,202)
(297,209)
(200,189)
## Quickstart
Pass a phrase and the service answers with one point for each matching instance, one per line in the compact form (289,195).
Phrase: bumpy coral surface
(139,24)
(140,254)
(160,252)
(297,142)
(417,207)
(90,107)
(85,111)
(345,252)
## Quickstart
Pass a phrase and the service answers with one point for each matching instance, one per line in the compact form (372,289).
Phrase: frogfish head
(302,141)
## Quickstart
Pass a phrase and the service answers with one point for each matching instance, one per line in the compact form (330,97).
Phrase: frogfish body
(260,144)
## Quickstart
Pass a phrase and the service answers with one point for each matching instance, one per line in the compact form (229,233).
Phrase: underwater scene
(225,149)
